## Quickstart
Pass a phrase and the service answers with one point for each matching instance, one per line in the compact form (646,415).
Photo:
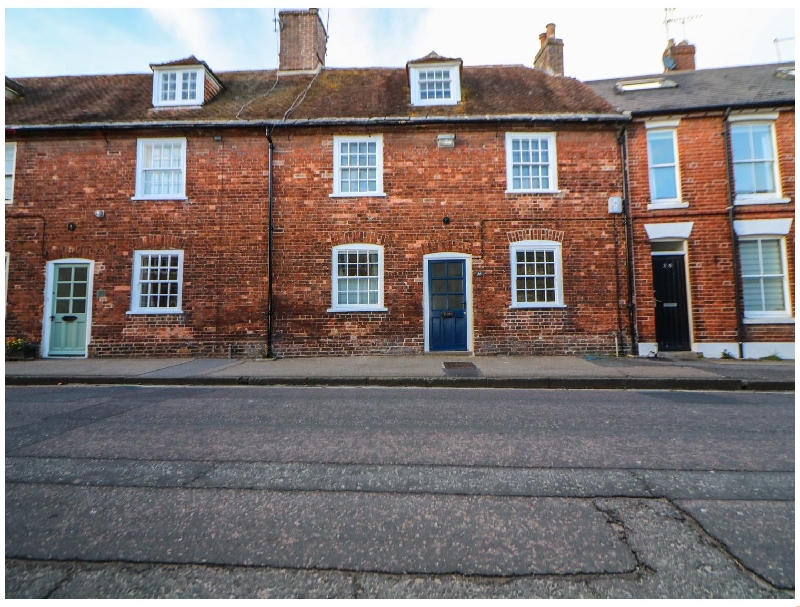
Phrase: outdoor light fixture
(446,140)
(99,214)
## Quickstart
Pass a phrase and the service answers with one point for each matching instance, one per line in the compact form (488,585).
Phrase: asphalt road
(129,491)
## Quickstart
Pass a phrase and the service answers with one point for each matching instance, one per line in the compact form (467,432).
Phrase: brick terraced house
(316,211)
(711,188)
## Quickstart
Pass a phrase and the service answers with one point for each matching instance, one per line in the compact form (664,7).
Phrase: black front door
(448,305)
(672,310)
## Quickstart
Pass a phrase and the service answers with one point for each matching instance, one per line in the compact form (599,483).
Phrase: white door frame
(48,301)
(426,295)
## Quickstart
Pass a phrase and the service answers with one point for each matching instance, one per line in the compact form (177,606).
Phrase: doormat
(461,369)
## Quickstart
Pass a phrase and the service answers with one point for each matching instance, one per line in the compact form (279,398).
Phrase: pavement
(430,370)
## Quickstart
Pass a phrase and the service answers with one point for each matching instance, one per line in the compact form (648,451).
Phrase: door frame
(426,313)
(50,275)
(680,249)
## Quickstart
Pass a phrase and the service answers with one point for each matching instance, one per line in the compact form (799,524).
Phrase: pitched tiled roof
(190,60)
(743,86)
(432,57)
(376,94)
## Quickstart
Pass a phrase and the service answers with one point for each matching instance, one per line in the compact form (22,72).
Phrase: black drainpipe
(737,277)
(626,208)
(271,229)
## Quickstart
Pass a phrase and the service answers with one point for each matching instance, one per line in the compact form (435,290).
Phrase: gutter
(727,109)
(387,120)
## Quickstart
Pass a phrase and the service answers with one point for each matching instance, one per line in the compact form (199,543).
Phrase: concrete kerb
(563,383)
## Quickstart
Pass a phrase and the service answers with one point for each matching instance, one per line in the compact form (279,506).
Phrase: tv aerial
(670,17)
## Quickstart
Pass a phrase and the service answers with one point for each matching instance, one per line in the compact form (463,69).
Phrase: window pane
(763,175)
(78,306)
(749,256)
(63,289)
(771,256)
(744,179)
(62,306)
(762,142)
(455,270)
(662,150)
(664,183)
(740,143)
(773,295)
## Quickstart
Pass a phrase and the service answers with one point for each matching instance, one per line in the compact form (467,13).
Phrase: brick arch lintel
(359,237)
(160,241)
(536,234)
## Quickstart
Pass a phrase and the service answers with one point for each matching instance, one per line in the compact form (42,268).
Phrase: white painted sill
(769,320)
(766,200)
(529,192)
(154,313)
(545,307)
(355,310)
(160,198)
(656,206)
(359,195)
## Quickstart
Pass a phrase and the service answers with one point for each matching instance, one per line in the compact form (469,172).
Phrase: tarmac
(680,372)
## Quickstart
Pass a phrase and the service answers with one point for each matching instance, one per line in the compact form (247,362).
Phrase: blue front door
(447,288)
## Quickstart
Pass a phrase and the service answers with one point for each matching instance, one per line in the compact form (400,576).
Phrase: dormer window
(187,82)
(178,87)
(435,80)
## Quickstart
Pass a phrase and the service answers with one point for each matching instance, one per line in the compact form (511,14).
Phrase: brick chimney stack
(550,57)
(679,56)
(303,40)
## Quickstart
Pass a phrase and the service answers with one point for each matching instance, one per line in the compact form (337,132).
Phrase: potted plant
(19,348)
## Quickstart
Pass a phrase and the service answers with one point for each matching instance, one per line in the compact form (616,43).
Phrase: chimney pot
(550,57)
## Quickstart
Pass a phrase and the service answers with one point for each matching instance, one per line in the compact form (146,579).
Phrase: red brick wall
(424,184)
(701,149)
(221,228)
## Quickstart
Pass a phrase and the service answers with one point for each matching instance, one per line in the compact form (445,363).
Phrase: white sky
(598,43)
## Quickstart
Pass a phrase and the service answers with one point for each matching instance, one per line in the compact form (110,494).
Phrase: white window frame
(774,197)
(337,164)
(136,282)
(552,162)
(160,74)
(368,307)
(767,229)
(768,315)
(12,146)
(661,127)
(415,71)
(140,169)
(538,245)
